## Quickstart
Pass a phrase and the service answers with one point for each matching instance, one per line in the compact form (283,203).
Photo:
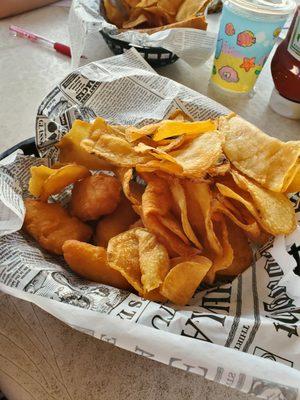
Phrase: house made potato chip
(242,252)
(263,158)
(154,260)
(45,181)
(146,15)
(70,150)
(183,279)
(275,211)
(225,259)
(140,258)
(195,195)
(158,218)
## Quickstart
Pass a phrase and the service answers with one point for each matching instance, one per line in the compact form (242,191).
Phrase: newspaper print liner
(244,334)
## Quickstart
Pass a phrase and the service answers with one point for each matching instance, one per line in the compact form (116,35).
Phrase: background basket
(27,146)
(155,56)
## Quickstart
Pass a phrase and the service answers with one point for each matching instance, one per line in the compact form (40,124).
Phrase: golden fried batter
(115,223)
(95,196)
(90,262)
(51,225)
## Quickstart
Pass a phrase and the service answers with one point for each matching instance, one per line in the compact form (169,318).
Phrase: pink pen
(59,47)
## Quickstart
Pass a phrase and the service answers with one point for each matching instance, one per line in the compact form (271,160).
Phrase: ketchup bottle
(285,68)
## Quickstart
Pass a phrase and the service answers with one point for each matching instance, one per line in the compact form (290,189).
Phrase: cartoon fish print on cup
(229,29)
(228,74)
(248,63)
(245,39)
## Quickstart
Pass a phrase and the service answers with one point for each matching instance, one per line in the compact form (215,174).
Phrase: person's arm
(13,7)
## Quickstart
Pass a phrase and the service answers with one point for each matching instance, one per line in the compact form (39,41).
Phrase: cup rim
(284,7)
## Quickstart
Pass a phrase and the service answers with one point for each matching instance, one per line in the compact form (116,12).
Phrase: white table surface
(40,357)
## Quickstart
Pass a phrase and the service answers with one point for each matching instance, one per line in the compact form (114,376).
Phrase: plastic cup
(247,33)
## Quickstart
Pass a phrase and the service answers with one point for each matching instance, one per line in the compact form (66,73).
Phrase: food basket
(155,56)
(242,334)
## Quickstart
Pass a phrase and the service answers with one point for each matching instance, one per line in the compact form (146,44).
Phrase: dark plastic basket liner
(27,146)
(155,56)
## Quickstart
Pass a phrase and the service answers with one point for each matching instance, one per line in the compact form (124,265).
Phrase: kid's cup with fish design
(248,31)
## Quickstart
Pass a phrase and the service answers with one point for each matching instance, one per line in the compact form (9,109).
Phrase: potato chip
(200,209)
(234,209)
(179,198)
(290,176)
(197,156)
(123,256)
(132,133)
(174,245)
(171,128)
(63,177)
(190,7)
(132,190)
(242,217)
(157,198)
(148,15)
(228,192)
(154,295)
(90,262)
(171,7)
(156,152)
(292,185)
(182,280)
(274,210)
(192,22)
(157,218)
(250,226)
(263,158)
(114,149)
(71,152)
(113,14)
(172,144)
(38,177)
(117,222)
(154,260)
(139,19)
(172,224)
(242,252)
(137,224)
(158,17)
(181,259)
(160,165)
(138,256)
(100,126)
(131,3)
(45,183)
(224,260)
(146,3)
(177,115)
(221,168)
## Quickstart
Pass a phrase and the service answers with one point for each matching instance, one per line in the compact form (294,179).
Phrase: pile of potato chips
(200,192)
(151,15)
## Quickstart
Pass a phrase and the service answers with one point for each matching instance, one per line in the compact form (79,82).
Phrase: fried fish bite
(115,223)
(95,196)
(51,225)
(90,262)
